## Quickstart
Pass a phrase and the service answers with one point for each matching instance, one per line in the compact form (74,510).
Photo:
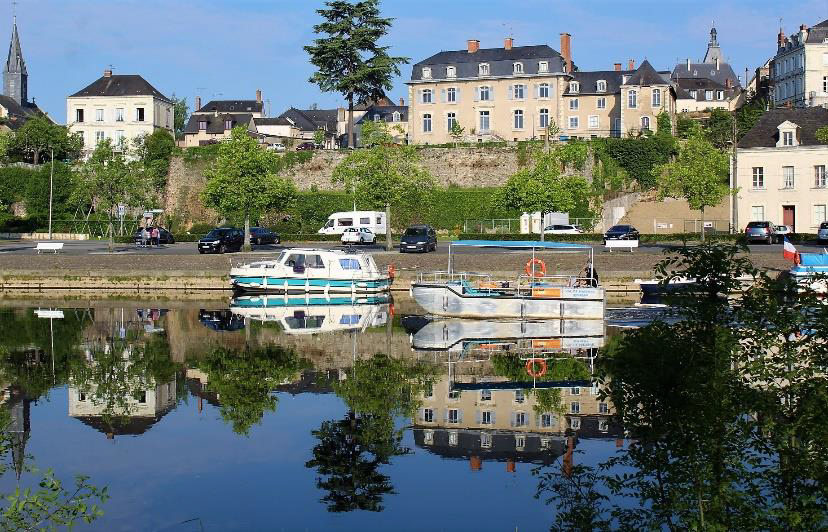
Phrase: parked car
(164,236)
(763,231)
(782,230)
(306,146)
(221,240)
(561,229)
(277,147)
(260,235)
(621,232)
(419,238)
(822,233)
(363,235)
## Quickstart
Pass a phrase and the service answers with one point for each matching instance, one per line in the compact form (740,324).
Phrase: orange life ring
(797,258)
(530,269)
(392,271)
(530,367)
(391,309)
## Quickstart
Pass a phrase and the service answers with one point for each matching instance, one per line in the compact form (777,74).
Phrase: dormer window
(202,125)
(543,66)
(427,73)
(228,124)
(788,138)
(624,79)
(517,68)
(376,118)
(396,116)
(451,72)
(483,69)
(574,87)
(601,86)
(787,134)
(693,94)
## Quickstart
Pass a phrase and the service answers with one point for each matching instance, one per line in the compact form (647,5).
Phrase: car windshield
(758,224)
(620,228)
(415,231)
(823,225)
(217,233)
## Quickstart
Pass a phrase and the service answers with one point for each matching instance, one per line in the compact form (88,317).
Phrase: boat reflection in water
(310,315)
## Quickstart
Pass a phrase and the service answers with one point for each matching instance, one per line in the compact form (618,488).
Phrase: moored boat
(328,272)
(811,271)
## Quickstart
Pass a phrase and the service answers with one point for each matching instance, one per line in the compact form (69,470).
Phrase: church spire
(714,53)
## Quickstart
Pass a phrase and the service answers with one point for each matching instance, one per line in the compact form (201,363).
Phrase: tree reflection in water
(350,451)
(726,408)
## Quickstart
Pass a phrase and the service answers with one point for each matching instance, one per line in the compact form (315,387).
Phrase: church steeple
(15,76)
(714,53)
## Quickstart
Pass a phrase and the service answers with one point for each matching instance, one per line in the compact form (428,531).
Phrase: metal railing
(523,285)
(494,225)
(441,277)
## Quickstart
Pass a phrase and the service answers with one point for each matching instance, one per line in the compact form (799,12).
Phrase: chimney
(631,64)
(473,45)
(780,39)
(258,95)
(688,64)
(197,103)
(402,102)
(717,63)
(476,463)
(108,73)
(617,67)
(803,27)
(508,42)
(566,51)
(510,466)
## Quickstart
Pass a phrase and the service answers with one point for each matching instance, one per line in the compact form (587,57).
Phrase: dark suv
(621,232)
(421,238)
(260,235)
(761,231)
(221,239)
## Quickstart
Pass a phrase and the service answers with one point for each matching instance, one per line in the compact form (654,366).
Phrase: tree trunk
(702,224)
(36,157)
(351,121)
(247,246)
(388,244)
(543,237)
(111,245)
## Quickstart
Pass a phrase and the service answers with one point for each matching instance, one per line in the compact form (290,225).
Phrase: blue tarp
(813,259)
(520,244)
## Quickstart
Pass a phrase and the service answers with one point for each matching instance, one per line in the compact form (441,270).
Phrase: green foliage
(573,153)
(180,113)
(5,144)
(34,140)
(822,134)
(457,131)
(638,156)
(687,127)
(522,154)
(719,128)
(154,152)
(13,182)
(36,192)
(664,125)
(319,136)
(194,154)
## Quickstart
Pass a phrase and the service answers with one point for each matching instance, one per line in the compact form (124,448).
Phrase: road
(97,247)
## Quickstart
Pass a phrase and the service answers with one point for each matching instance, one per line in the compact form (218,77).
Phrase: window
(720,95)
(365,221)
(575,390)
(693,94)
(139,114)
(601,103)
(575,423)
(427,94)
(349,264)
(819,176)
(543,66)
(396,116)
(453,415)
(573,104)
(573,122)
(518,68)
(603,408)
(574,87)
(757,213)
(486,417)
(119,114)
(119,137)
(99,136)
(520,92)
(451,94)
(427,73)
(520,443)
(141,397)
(824,59)
(99,115)
(603,426)
(708,95)
(202,125)
(484,121)
(787,138)
(428,415)
(81,396)
(376,118)
(632,99)
(520,419)
(520,396)
(543,90)
(451,72)
(601,86)
(454,395)
(483,69)
(543,118)
(787,177)
(758,177)
(228,124)
(82,135)
(545,443)
(518,119)
(485,93)
(485,440)
(428,437)
(820,214)
(426,123)
(824,83)
(485,395)
(574,407)
(78,115)
(656,98)
(451,120)
(645,122)
(593,122)
(453,437)
(546,420)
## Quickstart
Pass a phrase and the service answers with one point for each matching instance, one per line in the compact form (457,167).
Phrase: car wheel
(201,252)
(222,249)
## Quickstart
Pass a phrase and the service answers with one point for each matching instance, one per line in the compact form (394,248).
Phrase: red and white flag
(789,251)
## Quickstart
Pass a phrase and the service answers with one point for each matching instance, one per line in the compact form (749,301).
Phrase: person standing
(156,240)
(144,237)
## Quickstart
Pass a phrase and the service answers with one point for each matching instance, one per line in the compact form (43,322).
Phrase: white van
(338,222)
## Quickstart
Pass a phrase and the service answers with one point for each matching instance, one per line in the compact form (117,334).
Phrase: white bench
(54,247)
(628,244)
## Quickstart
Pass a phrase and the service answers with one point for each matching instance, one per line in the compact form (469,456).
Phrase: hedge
(598,237)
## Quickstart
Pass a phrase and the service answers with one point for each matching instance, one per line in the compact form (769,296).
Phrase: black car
(421,238)
(164,236)
(260,235)
(221,239)
(621,232)
(306,146)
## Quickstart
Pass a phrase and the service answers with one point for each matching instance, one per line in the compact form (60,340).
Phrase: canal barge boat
(326,272)
(533,296)
(311,315)
(811,271)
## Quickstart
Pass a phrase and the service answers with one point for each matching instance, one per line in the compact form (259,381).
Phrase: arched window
(518,68)
(645,122)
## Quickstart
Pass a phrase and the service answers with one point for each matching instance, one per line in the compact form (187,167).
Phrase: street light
(51,182)
(51,315)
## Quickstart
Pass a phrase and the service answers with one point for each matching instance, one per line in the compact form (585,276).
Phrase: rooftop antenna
(14,11)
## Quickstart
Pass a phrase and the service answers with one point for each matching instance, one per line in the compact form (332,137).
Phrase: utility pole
(734,199)
(51,188)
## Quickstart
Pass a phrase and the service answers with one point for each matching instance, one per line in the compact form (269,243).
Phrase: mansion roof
(501,62)
(589,80)
(120,85)
(385,113)
(305,119)
(216,123)
(765,133)
(646,76)
(232,106)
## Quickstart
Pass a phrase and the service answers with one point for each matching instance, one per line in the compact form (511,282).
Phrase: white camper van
(338,222)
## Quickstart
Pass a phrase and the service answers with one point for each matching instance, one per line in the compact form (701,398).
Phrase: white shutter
(537,420)
(513,420)
(442,95)
(422,414)
(511,92)
(478,417)
(493,417)
(459,415)
(457,94)
(537,90)
(477,94)
(445,415)
(491,93)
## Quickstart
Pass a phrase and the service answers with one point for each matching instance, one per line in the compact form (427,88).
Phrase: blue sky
(229,48)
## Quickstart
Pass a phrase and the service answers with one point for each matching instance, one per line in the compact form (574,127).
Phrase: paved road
(94,247)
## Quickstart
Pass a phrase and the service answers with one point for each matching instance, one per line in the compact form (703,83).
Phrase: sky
(227,49)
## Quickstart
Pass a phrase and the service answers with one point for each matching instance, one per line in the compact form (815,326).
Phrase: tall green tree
(384,174)
(153,152)
(241,182)
(699,175)
(181,112)
(348,55)
(39,136)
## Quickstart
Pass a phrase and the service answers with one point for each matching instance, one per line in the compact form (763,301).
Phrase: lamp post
(51,188)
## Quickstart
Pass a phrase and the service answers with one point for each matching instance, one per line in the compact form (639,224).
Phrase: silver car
(761,231)
(822,234)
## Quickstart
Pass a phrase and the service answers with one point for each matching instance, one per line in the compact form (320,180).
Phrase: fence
(512,225)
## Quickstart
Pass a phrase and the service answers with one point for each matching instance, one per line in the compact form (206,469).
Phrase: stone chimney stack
(258,95)
(617,67)
(402,102)
(197,103)
(631,64)
(566,51)
(108,73)
(780,38)
(473,45)
(508,42)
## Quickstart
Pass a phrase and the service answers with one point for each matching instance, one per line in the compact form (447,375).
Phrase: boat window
(365,221)
(350,319)
(304,322)
(280,257)
(295,259)
(314,261)
(349,264)
(345,222)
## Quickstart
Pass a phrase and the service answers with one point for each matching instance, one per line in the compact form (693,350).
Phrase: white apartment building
(799,70)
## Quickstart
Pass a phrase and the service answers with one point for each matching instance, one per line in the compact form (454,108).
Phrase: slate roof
(232,106)
(818,33)
(15,62)
(385,112)
(130,426)
(17,111)
(646,76)
(501,61)
(308,119)
(765,134)
(589,81)
(684,86)
(706,71)
(215,124)
(120,85)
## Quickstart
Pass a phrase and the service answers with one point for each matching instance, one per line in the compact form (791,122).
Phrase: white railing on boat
(453,277)
(524,284)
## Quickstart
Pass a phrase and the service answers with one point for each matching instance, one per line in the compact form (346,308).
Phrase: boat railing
(453,277)
(528,283)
